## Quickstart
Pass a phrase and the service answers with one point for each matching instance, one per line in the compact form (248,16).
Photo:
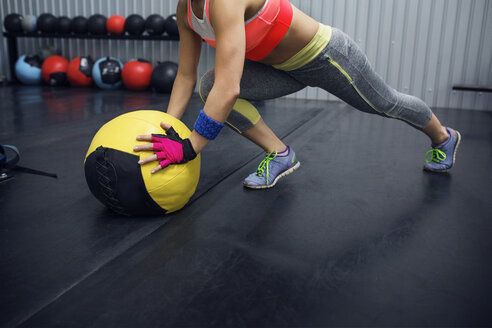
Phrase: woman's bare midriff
(302,30)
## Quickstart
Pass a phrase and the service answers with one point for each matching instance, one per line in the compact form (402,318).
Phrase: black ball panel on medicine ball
(110,71)
(170,188)
(86,64)
(115,180)
(34,60)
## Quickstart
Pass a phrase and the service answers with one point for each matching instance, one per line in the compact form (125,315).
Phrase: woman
(267,49)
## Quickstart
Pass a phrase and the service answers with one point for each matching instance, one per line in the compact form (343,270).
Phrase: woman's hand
(169,148)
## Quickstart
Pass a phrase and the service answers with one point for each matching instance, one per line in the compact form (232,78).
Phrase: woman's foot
(441,157)
(271,169)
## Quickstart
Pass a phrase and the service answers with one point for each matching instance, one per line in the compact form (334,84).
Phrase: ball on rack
(79,25)
(97,24)
(155,24)
(172,26)
(106,73)
(135,24)
(136,74)
(29,23)
(54,70)
(115,24)
(28,69)
(64,25)
(13,23)
(47,23)
(79,72)
(163,76)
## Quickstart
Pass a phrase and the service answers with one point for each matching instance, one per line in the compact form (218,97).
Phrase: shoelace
(437,156)
(264,165)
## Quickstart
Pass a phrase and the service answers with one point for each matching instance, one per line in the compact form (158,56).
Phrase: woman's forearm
(218,107)
(183,88)
(221,100)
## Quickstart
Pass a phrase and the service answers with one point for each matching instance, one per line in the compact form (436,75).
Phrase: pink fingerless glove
(171,149)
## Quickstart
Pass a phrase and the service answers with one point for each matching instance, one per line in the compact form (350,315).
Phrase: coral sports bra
(264,31)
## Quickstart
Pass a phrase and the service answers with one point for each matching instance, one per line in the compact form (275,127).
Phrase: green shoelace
(264,165)
(436,155)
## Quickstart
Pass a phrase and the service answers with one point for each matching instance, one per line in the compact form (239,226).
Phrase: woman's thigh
(344,70)
(258,82)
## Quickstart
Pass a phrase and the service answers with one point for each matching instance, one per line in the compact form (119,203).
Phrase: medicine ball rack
(14,54)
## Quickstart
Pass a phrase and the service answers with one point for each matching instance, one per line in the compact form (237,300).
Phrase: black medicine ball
(64,25)
(47,23)
(79,25)
(171,25)
(97,24)
(13,23)
(135,24)
(163,76)
(155,24)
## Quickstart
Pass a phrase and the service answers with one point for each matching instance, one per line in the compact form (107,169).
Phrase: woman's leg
(435,131)
(259,82)
(344,70)
(264,137)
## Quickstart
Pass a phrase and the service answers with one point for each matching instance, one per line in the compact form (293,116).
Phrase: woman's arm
(227,18)
(190,45)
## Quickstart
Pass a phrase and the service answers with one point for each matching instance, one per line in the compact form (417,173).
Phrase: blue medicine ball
(28,69)
(106,73)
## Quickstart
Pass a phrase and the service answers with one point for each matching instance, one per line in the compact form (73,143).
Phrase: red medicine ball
(80,71)
(136,74)
(54,70)
(115,24)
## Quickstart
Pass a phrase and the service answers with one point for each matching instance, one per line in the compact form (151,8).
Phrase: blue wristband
(207,127)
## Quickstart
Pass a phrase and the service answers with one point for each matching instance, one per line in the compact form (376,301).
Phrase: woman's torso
(301,30)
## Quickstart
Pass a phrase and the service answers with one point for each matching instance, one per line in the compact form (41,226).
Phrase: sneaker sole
(454,157)
(281,175)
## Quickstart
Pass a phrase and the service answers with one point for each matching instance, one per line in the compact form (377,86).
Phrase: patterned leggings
(341,69)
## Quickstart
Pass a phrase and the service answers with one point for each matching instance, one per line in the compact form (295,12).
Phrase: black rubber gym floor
(359,236)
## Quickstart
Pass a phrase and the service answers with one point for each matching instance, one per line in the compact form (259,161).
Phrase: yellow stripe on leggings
(200,84)
(309,52)
(351,81)
(247,109)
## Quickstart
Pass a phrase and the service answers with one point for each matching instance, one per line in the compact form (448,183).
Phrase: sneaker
(441,157)
(271,169)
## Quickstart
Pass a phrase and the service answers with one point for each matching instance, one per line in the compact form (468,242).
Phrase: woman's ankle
(443,137)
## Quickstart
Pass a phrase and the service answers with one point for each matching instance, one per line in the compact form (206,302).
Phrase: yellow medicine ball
(118,181)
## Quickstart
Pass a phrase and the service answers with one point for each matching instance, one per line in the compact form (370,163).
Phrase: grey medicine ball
(29,23)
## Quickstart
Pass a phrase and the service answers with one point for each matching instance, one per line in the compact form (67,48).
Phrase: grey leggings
(341,69)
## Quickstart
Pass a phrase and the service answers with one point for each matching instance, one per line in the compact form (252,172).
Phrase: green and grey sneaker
(441,157)
(271,169)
